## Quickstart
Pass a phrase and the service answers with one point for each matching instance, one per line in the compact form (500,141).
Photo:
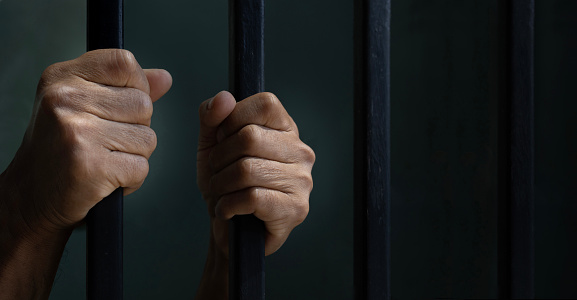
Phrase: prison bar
(246,78)
(372,186)
(516,149)
(104,221)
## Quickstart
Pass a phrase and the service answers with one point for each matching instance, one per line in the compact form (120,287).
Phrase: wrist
(29,257)
(24,205)
(214,282)
(17,229)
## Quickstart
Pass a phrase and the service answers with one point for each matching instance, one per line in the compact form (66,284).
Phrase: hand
(251,161)
(89,134)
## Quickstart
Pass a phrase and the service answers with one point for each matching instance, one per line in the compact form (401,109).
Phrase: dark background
(443,135)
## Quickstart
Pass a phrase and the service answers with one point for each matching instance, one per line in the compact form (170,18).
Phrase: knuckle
(309,182)
(301,210)
(307,153)
(138,168)
(60,95)
(272,108)
(250,135)
(302,214)
(269,101)
(142,104)
(245,168)
(269,98)
(75,131)
(124,60)
(149,138)
(51,73)
(305,181)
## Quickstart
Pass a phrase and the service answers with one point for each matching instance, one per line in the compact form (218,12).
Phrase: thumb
(212,112)
(159,81)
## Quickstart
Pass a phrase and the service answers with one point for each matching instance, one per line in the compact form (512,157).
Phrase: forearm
(29,257)
(214,282)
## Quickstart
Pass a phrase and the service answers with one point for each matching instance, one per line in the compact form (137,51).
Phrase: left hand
(251,161)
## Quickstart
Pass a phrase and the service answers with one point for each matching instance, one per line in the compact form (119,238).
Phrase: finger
(261,109)
(126,105)
(112,67)
(159,81)
(262,142)
(256,172)
(280,212)
(121,170)
(212,112)
(132,171)
(128,138)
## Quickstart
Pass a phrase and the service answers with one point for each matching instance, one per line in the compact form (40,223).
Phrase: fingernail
(209,105)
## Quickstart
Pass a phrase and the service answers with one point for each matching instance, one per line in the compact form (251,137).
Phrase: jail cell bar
(246,78)
(516,149)
(104,221)
(372,150)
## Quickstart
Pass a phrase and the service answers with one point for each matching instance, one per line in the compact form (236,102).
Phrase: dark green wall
(443,131)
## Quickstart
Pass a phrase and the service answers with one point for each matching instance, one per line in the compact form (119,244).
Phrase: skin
(250,161)
(90,134)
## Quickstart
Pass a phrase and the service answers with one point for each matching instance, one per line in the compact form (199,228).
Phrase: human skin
(250,161)
(90,134)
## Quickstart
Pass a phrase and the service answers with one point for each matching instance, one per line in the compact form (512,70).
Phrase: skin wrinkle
(142,104)
(89,135)
(249,148)
(245,168)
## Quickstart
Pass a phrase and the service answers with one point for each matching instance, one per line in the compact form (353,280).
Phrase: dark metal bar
(104,221)
(246,77)
(516,149)
(372,150)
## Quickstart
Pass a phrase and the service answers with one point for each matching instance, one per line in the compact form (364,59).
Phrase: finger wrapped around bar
(261,109)
(262,142)
(112,67)
(280,211)
(126,105)
(257,172)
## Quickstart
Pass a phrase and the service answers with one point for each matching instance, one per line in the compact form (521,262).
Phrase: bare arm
(29,259)
(250,161)
(89,135)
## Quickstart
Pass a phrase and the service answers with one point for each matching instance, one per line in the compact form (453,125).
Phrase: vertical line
(246,78)
(372,149)
(104,221)
(517,150)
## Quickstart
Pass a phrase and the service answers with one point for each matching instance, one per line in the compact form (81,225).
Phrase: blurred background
(443,138)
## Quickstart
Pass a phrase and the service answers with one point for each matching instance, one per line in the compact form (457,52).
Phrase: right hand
(89,134)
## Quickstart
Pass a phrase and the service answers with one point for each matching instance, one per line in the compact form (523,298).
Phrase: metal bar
(372,150)
(516,149)
(104,221)
(246,78)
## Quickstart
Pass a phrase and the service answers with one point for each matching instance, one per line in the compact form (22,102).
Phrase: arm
(250,161)
(28,259)
(89,134)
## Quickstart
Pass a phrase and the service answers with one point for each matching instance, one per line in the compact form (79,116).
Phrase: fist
(252,161)
(89,134)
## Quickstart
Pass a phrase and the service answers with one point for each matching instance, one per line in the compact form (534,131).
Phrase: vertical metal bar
(104,221)
(246,78)
(372,149)
(516,149)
